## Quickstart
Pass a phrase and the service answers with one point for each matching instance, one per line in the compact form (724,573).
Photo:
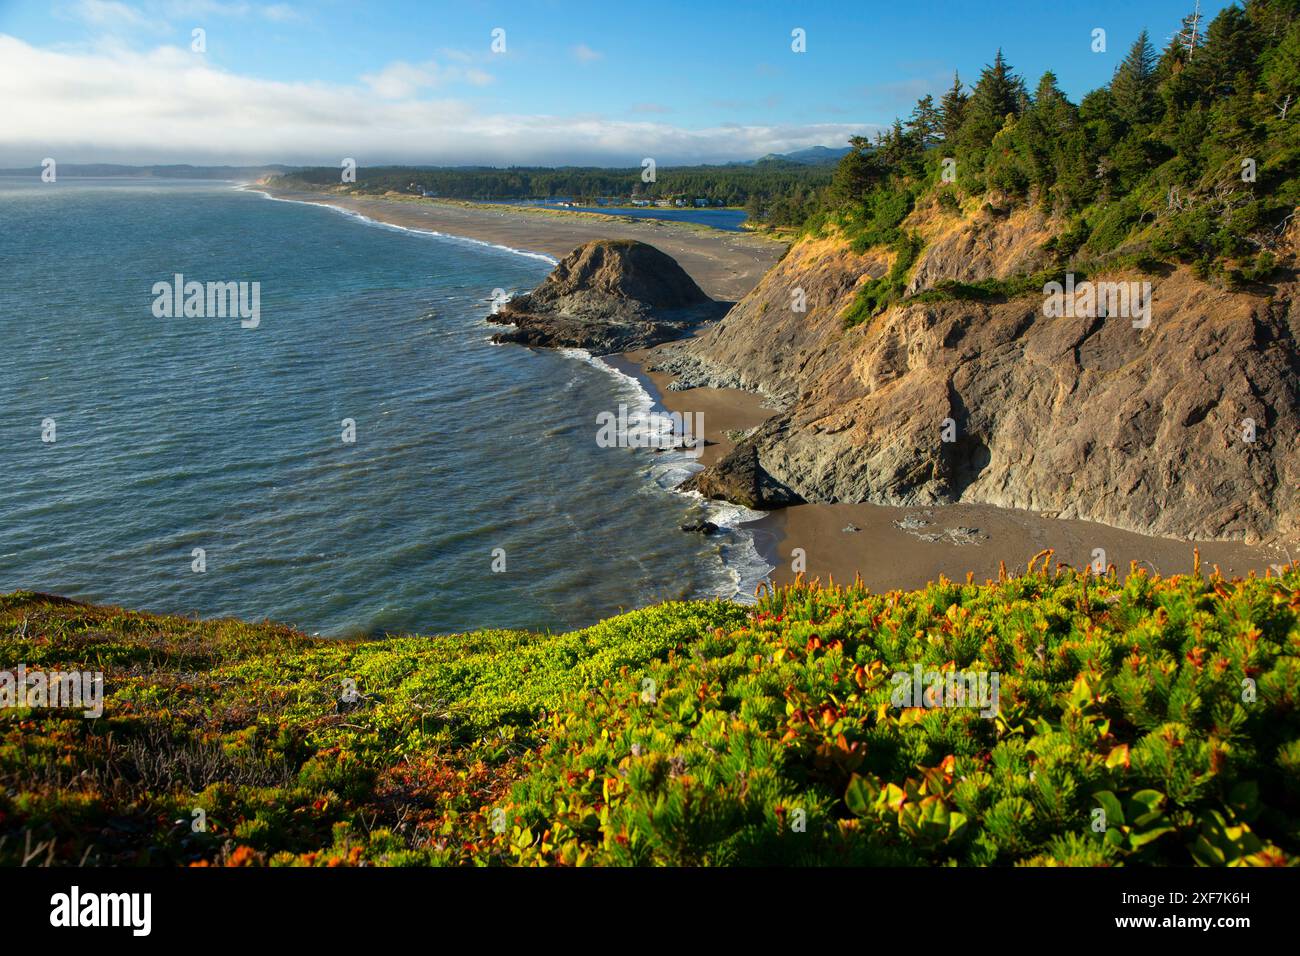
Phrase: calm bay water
(727,219)
(179,433)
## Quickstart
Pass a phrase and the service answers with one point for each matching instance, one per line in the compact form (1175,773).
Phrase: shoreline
(941,540)
(744,545)
(741,547)
(893,547)
(726,265)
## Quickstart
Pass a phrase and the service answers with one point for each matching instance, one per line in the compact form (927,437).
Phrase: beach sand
(888,556)
(726,265)
(723,410)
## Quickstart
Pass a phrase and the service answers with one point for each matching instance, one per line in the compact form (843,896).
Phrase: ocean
(202,465)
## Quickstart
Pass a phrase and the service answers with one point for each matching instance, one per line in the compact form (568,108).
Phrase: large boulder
(740,477)
(608,296)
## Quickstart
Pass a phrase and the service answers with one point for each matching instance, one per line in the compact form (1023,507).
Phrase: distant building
(701,202)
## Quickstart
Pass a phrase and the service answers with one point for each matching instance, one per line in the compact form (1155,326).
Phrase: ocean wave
(742,568)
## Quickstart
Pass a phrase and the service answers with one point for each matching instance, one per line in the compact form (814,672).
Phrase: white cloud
(401,80)
(169,105)
(112,16)
(281,13)
(585,54)
(205,8)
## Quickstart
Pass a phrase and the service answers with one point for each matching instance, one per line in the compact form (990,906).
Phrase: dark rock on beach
(700,526)
(608,296)
(741,478)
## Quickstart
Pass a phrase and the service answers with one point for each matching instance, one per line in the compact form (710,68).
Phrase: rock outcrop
(1189,428)
(608,296)
(739,477)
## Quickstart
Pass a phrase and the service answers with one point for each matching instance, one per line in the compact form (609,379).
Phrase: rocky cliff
(608,296)
(1147,429)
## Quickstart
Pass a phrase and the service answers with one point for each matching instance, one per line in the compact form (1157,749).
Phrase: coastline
(726,265)
(743,546)
(947,540)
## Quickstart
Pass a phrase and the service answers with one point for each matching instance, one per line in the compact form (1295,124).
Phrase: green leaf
(1114,810)
(859,796)
(1141,838)
(1144,807)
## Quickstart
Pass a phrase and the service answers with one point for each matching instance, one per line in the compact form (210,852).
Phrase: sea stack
(608,296)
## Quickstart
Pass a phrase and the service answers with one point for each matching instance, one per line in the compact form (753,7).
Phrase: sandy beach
(890,547)
(726,265)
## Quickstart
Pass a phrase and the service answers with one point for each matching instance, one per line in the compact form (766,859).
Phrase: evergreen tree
(895,149)
(1133,88)
(856,173)
(1052,149)
(998,94)
(1048,96)
(925,124)
(952,109)
(1281,78)
(1230,49)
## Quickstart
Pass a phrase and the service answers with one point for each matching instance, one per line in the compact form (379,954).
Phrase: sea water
(363,460)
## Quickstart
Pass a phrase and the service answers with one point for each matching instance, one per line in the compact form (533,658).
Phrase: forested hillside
(1189,155)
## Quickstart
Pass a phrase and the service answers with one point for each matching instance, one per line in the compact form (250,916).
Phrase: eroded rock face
(608,296)
(1090,418)
(994,243)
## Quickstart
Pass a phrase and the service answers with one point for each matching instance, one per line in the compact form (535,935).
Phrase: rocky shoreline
(1187,429)
(782,389)
(608,296)
(627,297)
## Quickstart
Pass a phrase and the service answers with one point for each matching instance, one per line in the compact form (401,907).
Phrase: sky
(517,83)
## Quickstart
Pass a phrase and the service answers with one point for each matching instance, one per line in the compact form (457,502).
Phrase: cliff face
(991,244)
(607,296)
(1091,418)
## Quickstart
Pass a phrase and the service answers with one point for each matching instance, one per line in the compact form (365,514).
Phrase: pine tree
(894,148)
(925,124)
(856,174)
(952,109)
(1230,49)
(1133,88)
(1048,95)
(998,94)
(1281,77)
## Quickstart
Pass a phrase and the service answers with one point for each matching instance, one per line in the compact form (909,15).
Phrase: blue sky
(578,81)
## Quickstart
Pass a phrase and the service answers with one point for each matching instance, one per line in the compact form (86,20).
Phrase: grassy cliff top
(1138,720)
